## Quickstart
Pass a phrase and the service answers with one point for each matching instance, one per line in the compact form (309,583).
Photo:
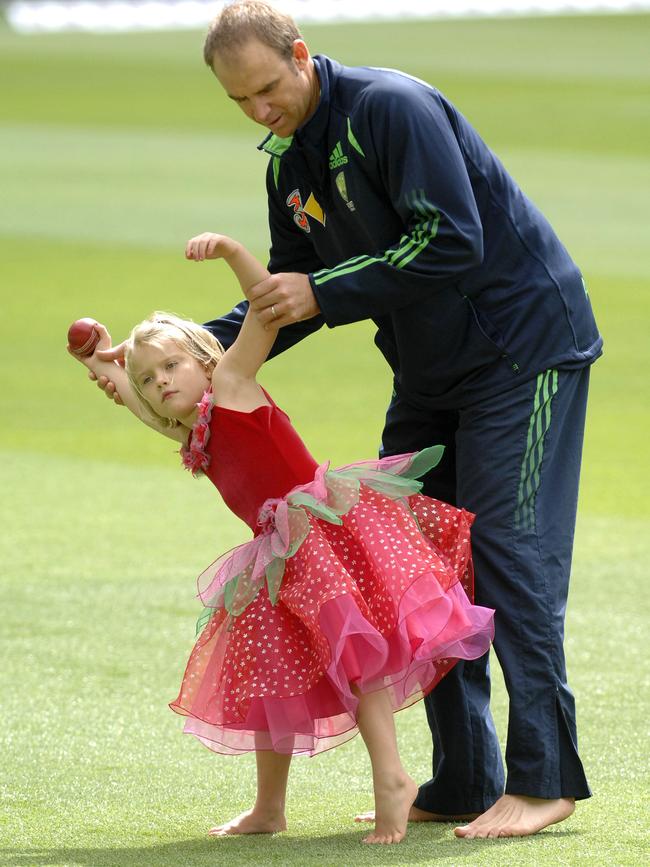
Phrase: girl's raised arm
(254,342)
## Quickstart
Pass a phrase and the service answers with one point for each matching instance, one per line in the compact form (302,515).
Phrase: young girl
(348,603)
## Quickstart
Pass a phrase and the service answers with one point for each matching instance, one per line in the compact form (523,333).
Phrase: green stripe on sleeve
(408,247)
(427,232)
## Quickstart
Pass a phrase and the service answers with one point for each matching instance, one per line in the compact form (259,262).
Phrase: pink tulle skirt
(381,601)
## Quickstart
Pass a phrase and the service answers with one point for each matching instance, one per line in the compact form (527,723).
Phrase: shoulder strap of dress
(268,397)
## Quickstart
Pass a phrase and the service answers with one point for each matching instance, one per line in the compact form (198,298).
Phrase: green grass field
(113,151)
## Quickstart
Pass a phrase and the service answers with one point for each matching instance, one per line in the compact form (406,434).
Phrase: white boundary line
(106,16)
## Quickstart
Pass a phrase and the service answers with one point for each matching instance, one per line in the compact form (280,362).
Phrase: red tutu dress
(352,576)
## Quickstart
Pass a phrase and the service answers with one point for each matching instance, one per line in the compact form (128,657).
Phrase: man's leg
(467,773)
(518,464)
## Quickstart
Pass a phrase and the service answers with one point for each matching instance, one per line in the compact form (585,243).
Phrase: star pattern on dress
(384,552)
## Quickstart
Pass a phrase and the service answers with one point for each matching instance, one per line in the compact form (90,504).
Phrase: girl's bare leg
(394,790)
(267,814)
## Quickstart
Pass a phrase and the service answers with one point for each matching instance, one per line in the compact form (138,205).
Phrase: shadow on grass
(424,845)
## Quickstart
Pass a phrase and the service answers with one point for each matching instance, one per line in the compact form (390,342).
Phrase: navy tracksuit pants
(513,460)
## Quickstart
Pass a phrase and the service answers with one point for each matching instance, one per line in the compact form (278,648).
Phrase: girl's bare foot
(255,821)
(517,816)
(392,804)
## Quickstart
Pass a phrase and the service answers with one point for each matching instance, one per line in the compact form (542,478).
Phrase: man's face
(272,91)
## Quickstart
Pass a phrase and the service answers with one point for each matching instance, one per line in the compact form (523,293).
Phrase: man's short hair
(250,19)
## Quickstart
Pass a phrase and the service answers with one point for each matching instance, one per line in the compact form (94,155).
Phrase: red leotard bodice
(254,456)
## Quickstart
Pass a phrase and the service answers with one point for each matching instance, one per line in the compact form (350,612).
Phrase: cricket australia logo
(311,208)
(342,187)
(337,157)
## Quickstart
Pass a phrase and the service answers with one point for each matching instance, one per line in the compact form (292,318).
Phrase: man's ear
(300,53)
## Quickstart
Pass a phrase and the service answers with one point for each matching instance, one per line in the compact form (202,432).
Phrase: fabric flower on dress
(194,455)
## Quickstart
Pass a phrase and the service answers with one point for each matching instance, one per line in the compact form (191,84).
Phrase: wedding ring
(273,311)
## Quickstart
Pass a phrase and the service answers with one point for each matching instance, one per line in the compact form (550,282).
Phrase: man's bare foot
(392,803)
(251,822)
(418,815)
(517,816)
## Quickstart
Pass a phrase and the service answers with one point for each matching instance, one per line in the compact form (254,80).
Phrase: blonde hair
(191,338)
(250,19)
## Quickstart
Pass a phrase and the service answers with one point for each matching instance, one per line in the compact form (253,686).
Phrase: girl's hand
(105,348)
(104,343)
(210,246)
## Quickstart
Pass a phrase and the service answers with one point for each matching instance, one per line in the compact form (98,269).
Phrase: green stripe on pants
(540,421)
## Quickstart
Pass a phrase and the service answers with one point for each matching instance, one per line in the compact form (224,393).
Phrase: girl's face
(172,381)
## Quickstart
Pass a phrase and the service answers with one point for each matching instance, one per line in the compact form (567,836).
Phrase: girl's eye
(146,380)
(171,364)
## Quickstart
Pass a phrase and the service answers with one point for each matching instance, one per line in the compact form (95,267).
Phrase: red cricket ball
(83,337)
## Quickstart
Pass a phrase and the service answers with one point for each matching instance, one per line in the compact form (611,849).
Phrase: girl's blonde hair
(191,338)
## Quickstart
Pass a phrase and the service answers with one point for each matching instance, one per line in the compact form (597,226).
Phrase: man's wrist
(317,298)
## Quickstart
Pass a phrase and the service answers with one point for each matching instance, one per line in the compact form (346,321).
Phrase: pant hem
(525,787)
(445,809)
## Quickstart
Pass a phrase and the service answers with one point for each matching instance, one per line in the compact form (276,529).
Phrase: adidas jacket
(400,213)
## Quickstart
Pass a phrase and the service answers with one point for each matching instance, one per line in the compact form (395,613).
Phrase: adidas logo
(337,157)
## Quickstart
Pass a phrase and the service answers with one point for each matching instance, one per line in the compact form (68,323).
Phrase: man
(384,203)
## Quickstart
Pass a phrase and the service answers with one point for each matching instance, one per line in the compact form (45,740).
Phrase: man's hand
(283,299)
(103,382)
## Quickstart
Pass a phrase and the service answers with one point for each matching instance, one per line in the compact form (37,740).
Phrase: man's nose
(261,110)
